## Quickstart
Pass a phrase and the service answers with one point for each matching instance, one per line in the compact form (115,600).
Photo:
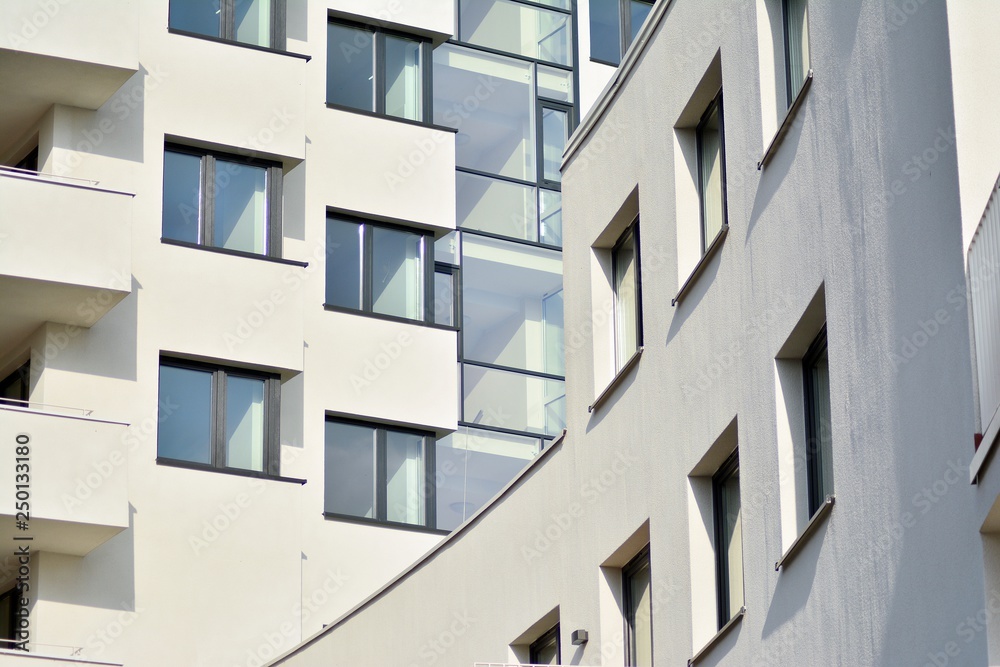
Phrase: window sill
(188,465)
(986,444)
(817,519)
(333,516)
(235,253)
(600,61)
(710,252)
(396,119)
(786,123)
(388,318)
(632,362)
(723,631)
(233,42)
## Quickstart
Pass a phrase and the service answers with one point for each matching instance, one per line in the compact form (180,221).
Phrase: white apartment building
(280,303)
(780,256)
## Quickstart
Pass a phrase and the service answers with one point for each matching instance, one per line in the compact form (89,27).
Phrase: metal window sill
(396,119)
(723,631)
(786,123)
(375,523)
(632,362)
(188,465)
(985,447)
(233,42)
(817,519)
(710,252)
(233,253)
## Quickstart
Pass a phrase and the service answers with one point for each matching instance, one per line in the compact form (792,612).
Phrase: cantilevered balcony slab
(77,479)
(61,53)
(65,252)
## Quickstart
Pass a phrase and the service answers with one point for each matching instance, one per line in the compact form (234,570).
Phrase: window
(524,29)
(219,417)
(728,538)
(614,25)
(14,388)
(374,70)
(379,473)
(29,162)
(221,201)
(712,173)
(254,22)
(627,295)
(637,594)
(555,129)
(795,14)
(545,650)
(819,462)
(10,605)
(379,269)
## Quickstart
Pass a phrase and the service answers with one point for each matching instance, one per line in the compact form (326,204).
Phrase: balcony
(78,480)
(65,252)
(59,53)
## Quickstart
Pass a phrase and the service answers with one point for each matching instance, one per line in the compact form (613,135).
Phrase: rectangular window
(627,293)
(379,473)
(555,129)
(819,443)
(796,20)
(614,25)
(712,173)
(222,201)
(728,538)
(637,594)
(545,649)
(379,269)
(507,25)
(10,605)
(15,387)
(218,417)
(373,70)
(254,22)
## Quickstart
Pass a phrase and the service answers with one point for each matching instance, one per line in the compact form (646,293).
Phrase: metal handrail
(31,405)
(45,175)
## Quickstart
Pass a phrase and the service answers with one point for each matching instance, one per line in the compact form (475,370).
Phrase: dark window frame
(272,416)
(29,162)
(227,25)
(639,562)
(206,202)
(631,231)
(815,492)
(378,35)
(429,455)
(789,85)
(542,103)
(726,471)
(9,635)
(624,31)
(20,374)
(455,272)
(715,105)
(548,638)
(367,251)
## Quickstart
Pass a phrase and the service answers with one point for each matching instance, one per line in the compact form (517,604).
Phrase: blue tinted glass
(350,470)
(639,11)
(343,264)
(240,207)
(350,67)
(605,31)
(185,417)
(181,196)
(200,16)
(253,22)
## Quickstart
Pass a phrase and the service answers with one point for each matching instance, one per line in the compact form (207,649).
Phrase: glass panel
(639,10)
(350,470)
(404,82)
(398,273)
(446,249)
(343,263)
(820,378)
(560,4)
(732,540)
(797,47)
(555,133)
(515,28)
(513,400)
(626,306)
(196,16)
(550,211)
(552,321)
(710,173)
(497,207)
(490,100)
(350,67)
(185,418)
(444,298)
(555,84)
(640,618)
(240,207)
(245,423)
(181,197)
(605,31)
(503,287)
(253,22)
(404,477)
(546,653)
(472,466)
